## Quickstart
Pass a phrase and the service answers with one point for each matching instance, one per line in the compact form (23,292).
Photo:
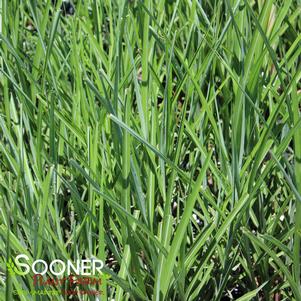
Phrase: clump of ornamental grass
(162,137)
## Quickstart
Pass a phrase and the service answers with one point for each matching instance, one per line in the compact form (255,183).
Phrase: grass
(163,137)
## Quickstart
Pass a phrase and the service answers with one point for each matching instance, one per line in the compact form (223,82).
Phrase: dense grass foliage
(163,137)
